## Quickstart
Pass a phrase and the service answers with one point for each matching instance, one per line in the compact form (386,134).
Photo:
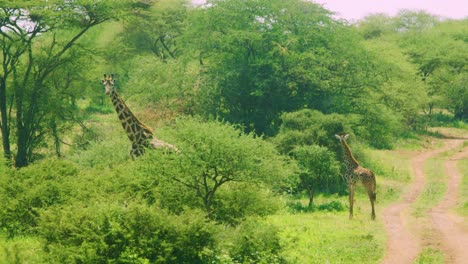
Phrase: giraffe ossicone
(356,173)
(140,135)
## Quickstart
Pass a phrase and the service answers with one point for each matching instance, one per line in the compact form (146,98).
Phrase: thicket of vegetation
(251,93)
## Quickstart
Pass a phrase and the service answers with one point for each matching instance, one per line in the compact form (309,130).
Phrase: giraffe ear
(346,136)
(338,136)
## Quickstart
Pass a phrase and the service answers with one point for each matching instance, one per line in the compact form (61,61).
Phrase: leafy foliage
(103,233)
(319,169)
(26,191)
(311,127)
(262,61)
(214,156)
(257,242)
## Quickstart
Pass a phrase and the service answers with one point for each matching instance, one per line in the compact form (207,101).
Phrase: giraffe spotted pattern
(140,135)
(356,173)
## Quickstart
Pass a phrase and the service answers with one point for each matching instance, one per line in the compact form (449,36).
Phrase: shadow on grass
(331,206)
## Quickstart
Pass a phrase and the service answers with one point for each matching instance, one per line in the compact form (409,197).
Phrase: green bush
(308,127)
(99,108)
(103,154)
(238,202)
(132,233)
(319,169)
(331,206)
(25,191)
(21,250)
(212,156)
(256,242)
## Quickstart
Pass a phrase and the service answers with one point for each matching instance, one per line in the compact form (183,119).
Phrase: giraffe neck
(137,132)
(350,161)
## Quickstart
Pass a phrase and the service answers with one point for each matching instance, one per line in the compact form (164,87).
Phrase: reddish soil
(404,235)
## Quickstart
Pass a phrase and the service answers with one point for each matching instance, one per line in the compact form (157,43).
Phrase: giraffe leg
(351,200)
(372,197)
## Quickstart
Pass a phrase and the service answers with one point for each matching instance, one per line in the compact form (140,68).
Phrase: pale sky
(357,9)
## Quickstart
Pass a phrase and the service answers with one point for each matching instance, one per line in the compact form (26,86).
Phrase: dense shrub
(132,233)
(331,206)
(256,242)
(307,127)
(23,192)
(102,154)
(236,203)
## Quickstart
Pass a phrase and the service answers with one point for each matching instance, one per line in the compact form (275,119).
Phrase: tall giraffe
(140,135)
(355,173)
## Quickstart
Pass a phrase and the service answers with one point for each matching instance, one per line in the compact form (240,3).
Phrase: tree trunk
(311,196)
(56,139)
(461,113)
(22,132)
(22,154)
(4,122)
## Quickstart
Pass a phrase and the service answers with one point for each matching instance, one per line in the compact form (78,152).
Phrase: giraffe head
(108,82)
(342,137)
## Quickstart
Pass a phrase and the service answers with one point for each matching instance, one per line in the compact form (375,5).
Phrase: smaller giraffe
(140,135)
(355,173)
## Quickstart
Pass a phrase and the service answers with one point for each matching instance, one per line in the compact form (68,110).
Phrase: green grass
(430,256)
(325,237)
(460,132)
(392,170)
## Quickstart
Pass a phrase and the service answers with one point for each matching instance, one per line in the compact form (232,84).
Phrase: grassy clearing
(329,237)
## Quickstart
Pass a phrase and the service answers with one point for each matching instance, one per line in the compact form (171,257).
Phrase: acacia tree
(157,29)
(215,156)
(37,38)
(263,58)
(441,56)
(318,168)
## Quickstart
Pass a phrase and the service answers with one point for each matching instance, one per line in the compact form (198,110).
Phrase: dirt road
(404,239)
(451,227)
